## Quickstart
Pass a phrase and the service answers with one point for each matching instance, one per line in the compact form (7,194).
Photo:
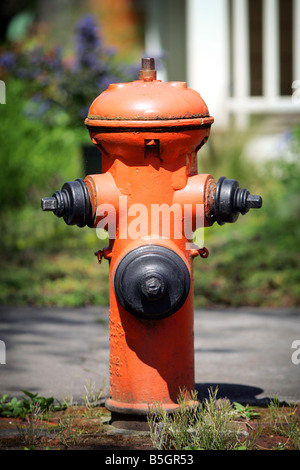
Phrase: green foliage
(71,277)
(21,408)
(255,261)
(246,412)
(60,90)
(34,158)
(14,408)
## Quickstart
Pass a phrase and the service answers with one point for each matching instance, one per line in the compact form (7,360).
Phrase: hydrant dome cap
(148,101)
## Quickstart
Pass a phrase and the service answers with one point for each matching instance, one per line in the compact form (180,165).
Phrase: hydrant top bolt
(147,72)
(148,64)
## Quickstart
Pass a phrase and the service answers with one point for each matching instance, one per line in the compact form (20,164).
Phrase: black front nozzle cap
(152,282)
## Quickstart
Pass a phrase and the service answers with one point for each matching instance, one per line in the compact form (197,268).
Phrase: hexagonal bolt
(148,63)
(153,286)
(148,72)
(253,202)
(49,203)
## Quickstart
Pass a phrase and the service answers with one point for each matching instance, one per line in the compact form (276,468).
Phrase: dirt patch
(75,428)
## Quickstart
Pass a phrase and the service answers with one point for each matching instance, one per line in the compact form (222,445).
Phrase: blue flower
(8,60)
(59,86)
(88,42)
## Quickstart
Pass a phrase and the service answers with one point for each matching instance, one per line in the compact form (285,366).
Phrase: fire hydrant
(151,199)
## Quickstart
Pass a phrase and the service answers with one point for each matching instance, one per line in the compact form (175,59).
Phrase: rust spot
(94,117)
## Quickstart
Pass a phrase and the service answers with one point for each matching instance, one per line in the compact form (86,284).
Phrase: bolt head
(153,286)
(49,203)
(254,202)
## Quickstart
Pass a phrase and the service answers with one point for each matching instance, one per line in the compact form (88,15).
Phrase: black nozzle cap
(72,203)
(230,201)
(152,282)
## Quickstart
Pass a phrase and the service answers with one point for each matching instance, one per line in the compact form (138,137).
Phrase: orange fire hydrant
(151,199)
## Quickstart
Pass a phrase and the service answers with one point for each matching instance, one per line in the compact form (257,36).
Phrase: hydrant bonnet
(151,100)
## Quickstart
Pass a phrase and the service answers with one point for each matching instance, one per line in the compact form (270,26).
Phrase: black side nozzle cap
(72,203)
(230,201)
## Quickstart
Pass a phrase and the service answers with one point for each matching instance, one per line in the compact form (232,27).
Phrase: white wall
(208,58)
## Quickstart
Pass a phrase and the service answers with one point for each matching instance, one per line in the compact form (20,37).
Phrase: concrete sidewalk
(60,352)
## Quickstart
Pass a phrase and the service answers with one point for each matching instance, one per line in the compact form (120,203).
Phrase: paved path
(60,352)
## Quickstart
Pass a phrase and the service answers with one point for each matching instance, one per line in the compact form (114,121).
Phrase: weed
(68,400)
(207,425)
(285,422)
(31,431)
(66,434)
(246,412)
(13,408)
(21,408)
(92,395)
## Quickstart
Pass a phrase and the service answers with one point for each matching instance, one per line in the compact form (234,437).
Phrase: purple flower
(88,42)
(60,86)
(8,60)
(87,30)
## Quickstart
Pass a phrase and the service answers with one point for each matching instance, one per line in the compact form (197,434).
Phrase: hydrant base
(126,416)
(135,409)
(134,417)
(130,422)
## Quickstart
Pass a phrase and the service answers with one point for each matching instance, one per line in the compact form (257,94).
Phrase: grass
(213,424)
(205,425)
(285,423)
(217,424)
(69,277)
